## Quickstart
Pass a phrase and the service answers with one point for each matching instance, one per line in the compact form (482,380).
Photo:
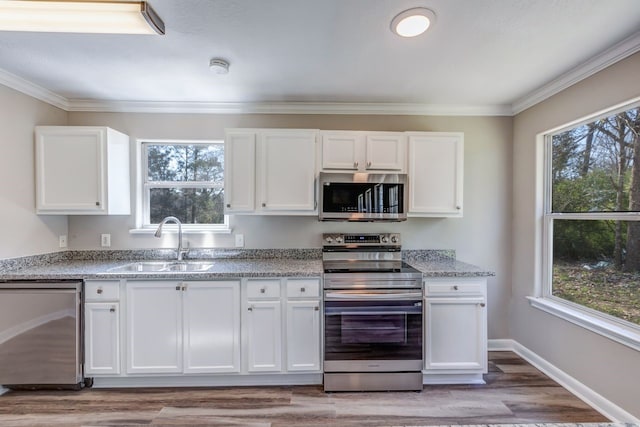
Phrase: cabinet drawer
(454,288)
(300,288)
(257,289)
(108,290)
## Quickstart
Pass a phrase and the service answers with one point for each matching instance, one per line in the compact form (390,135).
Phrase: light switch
(239,240)
(62,240)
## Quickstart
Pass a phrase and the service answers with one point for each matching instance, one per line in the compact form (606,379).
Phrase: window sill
(201,230)
(620,333)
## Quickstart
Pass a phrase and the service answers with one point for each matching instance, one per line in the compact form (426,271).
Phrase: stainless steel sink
(163,266)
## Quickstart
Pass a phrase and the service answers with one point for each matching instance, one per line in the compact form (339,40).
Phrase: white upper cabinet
(435,174)
(82,170)
(270,171)
(363,151)
(239,171)
(287,170)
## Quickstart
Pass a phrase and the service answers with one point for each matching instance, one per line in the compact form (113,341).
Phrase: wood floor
(515,393)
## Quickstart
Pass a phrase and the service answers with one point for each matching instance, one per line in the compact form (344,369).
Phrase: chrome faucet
(180,251)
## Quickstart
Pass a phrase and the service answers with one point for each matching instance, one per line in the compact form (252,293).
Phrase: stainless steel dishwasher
(41,334)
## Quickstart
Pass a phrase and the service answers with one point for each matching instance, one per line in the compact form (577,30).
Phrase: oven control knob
(338,239)
(385,239)
(394,239)
(329,239)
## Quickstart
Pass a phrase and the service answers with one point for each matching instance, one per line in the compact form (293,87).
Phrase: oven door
(372,331)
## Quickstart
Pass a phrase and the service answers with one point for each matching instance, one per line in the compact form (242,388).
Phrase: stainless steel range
(372,314)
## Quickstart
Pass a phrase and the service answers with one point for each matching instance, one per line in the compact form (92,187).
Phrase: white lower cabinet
(102,338)
(191,329)
(102,327)
(455,329)
(265,349)
(303,335)
(264,336)
(183,327)
(154,327)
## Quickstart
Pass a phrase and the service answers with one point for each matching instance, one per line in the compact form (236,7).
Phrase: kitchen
(498,180)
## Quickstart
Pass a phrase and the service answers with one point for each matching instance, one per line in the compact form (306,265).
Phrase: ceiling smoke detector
(219,66)
(413,22)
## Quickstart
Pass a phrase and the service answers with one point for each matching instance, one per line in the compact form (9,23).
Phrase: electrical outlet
(105,240)
(62,241)
(239,240)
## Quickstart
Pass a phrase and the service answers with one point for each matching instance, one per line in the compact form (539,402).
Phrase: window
(592,217)
(185,180)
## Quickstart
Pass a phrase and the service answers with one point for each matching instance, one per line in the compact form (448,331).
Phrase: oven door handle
(372,296)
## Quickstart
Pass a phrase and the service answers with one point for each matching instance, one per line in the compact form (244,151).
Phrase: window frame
(612,327)
(144,189)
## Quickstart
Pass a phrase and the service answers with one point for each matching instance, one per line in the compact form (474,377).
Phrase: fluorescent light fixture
(413,22)
(129,17)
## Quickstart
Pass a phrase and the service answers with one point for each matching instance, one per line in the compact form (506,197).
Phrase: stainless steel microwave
(362,197)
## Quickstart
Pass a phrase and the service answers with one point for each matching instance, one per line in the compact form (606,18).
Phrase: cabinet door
(341,150)
(287,170)
(239,171)
(102,338)
(264,336)
(303,335)
(70,169)
(211,326)
(455,334)
(385,151)
(435,174)
(154,327)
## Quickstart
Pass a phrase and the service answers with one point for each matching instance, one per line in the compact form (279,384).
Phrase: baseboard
(581,391)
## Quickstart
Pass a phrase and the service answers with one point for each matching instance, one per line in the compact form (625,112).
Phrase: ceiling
(481,55)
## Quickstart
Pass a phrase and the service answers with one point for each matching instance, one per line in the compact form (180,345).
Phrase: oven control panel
(361,240)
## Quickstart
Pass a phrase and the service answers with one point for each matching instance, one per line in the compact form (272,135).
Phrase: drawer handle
(112,310)
(302,289)
(99,290)
(482,304)
(263,290)
(455,287)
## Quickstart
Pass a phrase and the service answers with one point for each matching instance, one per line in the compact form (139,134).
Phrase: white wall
(482,237)
(605,366)
(23,232)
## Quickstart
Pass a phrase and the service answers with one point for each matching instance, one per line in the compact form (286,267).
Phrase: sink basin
(163,266)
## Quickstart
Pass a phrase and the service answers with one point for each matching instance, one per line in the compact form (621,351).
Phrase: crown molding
(617,52)
(288,108)
(28,88)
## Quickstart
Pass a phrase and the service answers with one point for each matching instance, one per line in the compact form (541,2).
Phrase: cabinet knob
(250,308)
(355,165)
(99,291)
(228,205)
(316,308)
(458,207)
(112,310)
(184,288)
(264,205)
(263,290)
(455,287)
(368,164)
(97,203)
(302,289)
(482,304)
(178,287)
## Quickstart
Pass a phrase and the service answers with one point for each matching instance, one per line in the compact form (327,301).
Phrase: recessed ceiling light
(413,22)
(219,66)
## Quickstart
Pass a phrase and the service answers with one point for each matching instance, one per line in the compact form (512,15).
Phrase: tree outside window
(186,180)
(593,214)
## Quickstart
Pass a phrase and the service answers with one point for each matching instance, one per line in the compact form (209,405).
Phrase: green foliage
(186,182)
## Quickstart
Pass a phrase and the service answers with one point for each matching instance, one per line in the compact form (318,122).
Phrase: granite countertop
(226,264)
